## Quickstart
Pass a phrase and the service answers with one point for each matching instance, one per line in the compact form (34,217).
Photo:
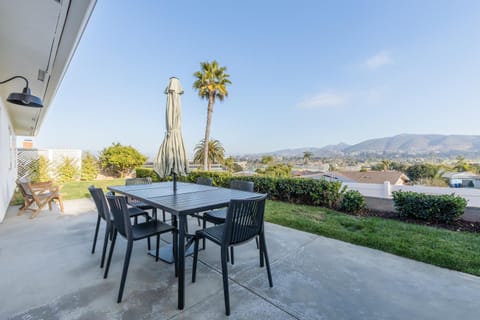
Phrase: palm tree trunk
(211,101)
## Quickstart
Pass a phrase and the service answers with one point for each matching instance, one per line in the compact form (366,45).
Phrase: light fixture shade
(25,99)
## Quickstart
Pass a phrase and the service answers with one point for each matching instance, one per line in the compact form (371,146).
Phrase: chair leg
(96,235)
(126,263)
(105,242)
(163,214)
(226,295)
(231,256)
(158,248)
(195,257)
(263,250)
(36,212)
(109,260)
(260,249)
(60,203)
(204,240)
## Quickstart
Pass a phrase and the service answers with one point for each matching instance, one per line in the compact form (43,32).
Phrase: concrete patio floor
(47,272)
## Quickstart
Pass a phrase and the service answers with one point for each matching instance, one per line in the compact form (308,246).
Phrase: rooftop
(51,274)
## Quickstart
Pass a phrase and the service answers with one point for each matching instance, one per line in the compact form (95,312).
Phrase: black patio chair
(119,209)
(206,181)
(244,222)
(104,214)
(218,216)
(140,204)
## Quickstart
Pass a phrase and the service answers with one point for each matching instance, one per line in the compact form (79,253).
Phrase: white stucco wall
(383,191)
(8,161)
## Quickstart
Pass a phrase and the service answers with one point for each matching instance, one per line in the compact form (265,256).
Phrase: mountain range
(403,144)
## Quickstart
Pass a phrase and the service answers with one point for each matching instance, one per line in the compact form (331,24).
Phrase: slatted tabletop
(188,199)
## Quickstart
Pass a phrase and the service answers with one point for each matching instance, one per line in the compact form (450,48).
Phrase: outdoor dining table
(188,199)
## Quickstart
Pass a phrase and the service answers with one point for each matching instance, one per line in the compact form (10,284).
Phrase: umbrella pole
(174,183)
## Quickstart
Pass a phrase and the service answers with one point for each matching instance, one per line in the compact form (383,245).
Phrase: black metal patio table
(188,199)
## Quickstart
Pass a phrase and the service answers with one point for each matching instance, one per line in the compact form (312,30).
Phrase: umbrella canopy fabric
(171,157)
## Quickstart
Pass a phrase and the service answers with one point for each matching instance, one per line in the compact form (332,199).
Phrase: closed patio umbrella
(171,158)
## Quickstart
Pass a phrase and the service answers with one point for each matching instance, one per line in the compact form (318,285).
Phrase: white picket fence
(385,191)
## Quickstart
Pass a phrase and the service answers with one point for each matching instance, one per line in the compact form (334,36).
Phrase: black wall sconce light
(25,98)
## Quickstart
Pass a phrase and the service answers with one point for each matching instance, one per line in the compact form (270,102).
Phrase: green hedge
(294,190)
(353,201)
(435,208)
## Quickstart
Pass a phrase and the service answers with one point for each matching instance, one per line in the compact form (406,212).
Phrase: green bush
(120,160)
(353,201)
(68,170)
(89,167)
(39,170)
(147,172)
(295,190)
(435,208)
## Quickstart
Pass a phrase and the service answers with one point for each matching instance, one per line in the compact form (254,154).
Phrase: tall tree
(215,153)
(307,156)
(461,165)
(211,83)
(386,164)
(121,160)
(267,160)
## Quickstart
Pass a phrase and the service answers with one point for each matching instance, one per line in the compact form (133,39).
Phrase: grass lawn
(449,249)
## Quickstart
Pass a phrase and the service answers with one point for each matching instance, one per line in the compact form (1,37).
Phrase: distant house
(462,179)
(376,177)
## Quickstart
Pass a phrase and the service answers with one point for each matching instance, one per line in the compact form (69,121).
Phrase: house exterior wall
(8,161)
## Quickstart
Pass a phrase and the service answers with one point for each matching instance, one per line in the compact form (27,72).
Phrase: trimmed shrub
(120,160)
(435,208)
(68,170)
(295,190)
(40,170)
(89,167)
(147,172)
(353,201)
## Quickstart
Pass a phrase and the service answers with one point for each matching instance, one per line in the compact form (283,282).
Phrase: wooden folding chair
(38,194)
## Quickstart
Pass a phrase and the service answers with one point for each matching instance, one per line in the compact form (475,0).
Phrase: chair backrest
(121,218)
(146,180)
(244,219)
(101,203)
(25,188)
(242,185)
(205,181)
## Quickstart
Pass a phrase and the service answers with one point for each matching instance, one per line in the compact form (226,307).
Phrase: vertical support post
(387,189)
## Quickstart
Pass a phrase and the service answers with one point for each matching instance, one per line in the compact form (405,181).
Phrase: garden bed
(457,225)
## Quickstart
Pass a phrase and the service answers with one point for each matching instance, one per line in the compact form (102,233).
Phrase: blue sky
(304,73)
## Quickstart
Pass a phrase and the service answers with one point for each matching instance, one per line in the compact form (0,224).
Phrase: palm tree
(386,164)
(211,83)
(215,153)
(307,156)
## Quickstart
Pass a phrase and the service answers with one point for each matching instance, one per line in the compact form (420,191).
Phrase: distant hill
(327,151)
(413,144)
(418,144)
